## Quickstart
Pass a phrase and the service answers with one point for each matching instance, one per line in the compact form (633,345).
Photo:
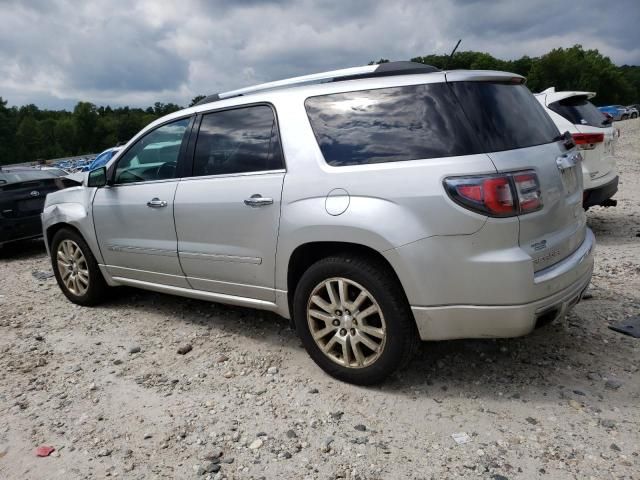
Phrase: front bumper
(493,321)
(599,195)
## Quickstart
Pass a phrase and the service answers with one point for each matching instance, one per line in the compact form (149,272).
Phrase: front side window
(237,141)
(154,156)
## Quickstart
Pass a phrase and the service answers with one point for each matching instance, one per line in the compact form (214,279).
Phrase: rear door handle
(156,203)
(257,200)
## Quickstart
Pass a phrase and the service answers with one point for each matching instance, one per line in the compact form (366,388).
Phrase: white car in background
(595,138)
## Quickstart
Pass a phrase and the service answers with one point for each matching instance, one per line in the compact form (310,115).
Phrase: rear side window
(504,116)
(579,111)
(237,141)
(390,125)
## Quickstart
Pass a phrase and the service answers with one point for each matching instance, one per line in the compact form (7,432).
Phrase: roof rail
(367,71)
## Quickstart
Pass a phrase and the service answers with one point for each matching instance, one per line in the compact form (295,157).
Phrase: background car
(101,159)
(618,112)
(595,138)
(22,196)
(633,111)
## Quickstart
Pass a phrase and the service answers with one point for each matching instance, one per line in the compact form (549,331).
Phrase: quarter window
(154,156)
(237,141)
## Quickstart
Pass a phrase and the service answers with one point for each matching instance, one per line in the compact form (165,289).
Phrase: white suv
(374,206)
(595,138)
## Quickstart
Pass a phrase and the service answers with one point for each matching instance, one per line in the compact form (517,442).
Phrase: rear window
(505,116)
(427,121)
(579,111)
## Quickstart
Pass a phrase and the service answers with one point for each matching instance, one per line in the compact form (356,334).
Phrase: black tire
(97,289)
(401,332)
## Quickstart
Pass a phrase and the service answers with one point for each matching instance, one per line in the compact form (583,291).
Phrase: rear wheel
(76,269)
(353,319)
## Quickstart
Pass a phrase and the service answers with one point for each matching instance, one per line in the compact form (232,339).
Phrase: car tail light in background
(588,141)
(502,195)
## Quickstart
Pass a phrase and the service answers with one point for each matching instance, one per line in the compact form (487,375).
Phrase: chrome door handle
(156,203)
(258,200)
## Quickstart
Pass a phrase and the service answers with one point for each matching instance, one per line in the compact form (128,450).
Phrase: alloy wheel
(346,322)
(73,267)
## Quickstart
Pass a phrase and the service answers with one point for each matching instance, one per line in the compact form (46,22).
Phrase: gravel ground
(108,389)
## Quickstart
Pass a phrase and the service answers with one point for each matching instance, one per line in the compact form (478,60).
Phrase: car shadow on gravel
(549,364)
(22,250)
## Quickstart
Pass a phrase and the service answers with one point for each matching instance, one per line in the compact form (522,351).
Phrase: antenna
(446,64)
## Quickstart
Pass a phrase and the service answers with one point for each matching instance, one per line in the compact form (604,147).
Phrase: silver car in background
(374,206)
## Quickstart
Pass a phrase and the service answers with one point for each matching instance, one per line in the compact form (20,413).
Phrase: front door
(227,213)
(133,216)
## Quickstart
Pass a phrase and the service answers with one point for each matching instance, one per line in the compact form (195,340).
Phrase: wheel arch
(306,254)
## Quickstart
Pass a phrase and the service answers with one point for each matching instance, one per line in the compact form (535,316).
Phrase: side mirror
(97,177)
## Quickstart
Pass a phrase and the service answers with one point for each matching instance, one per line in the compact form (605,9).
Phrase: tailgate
(558,229)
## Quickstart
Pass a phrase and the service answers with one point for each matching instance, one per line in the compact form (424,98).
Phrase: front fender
(71,207)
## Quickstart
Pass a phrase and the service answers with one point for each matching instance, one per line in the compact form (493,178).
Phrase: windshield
(24,176)
(579,111)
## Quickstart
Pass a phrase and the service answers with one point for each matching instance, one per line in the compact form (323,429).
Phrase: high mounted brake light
(501,195)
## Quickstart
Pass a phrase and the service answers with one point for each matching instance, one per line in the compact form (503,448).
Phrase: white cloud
(55,53)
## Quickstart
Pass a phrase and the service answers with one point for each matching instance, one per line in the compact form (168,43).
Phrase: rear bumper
(493,321)
(14,229)
(598,195)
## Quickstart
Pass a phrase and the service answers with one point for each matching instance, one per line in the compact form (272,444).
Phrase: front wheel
(353,319)
(76,269)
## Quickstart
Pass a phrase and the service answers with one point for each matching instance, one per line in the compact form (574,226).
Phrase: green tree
(29,140)
(86,119)
(196,99)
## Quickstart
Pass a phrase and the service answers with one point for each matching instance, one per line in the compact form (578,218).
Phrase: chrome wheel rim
(73,268)
(346,322)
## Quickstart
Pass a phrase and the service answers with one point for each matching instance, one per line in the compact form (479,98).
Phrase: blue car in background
(102,159)
(617,112)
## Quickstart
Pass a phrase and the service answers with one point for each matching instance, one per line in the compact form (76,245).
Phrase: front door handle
(257,200)
(156,203)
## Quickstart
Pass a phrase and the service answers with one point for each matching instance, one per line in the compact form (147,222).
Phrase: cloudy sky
(136,52)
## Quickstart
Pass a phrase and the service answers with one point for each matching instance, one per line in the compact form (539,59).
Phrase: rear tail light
(502,195)
(588,141)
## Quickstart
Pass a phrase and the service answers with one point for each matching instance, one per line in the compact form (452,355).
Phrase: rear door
(227,213)
(517,134)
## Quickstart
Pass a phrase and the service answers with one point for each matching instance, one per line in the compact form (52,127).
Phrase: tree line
(28,133)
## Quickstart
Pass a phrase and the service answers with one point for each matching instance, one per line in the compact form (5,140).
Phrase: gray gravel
(152,386)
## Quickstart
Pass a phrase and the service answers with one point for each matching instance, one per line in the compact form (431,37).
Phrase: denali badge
(547,256)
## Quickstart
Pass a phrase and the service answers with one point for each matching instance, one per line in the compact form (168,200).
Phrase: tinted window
(237,141)
(390,125)
(154,156)
(504,116)
(579,111)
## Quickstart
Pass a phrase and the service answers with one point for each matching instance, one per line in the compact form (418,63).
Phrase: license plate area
(570,180)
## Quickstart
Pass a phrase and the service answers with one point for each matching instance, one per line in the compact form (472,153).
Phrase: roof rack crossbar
(379,70)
